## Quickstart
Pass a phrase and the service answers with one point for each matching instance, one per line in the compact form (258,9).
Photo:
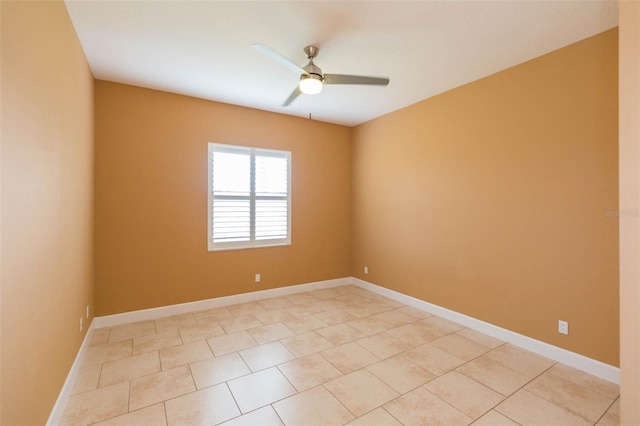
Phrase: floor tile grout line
(338,399)
(226,384)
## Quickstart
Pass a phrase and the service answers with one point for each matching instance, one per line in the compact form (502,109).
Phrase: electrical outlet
(563,327)
(257,278)
(81,323)
(366,269)
(87,311)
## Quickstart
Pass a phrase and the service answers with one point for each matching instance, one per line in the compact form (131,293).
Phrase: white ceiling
(203,48)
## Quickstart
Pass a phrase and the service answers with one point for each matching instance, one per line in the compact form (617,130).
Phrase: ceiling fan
(311,77)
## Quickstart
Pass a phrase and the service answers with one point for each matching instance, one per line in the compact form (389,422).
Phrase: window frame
(252,152)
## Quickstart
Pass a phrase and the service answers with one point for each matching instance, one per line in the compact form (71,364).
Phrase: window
(249,197)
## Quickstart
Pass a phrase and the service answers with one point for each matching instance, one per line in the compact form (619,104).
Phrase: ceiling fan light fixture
(311,84)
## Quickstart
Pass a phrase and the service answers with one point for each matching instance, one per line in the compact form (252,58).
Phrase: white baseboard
(201,305)
(572,359)
(63,397)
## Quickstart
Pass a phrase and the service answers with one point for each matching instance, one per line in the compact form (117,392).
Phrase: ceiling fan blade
(296,92)
(354,79)
(278,58)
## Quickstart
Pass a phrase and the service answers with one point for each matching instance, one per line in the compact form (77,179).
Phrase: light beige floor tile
(609,419)
(300,298)
(310,371)
(270,333)
(494,375)
(400,373)
(383,345)
(100,336)
(306,344)
(361,391)
(326,293)
(595,384)
(304,324)
(369,325)
(155,342)
(414,312)
(233,342)
(149,416)
(433,359)
(330,305)
(468,396)
(275,303)
(273,315)
(559,392)
(528,409)
(258,389)
(304,309)
(480,338)
(412,334)
(395,318)
(129,331)
(264,416)
(577,399)
(184,354)
(337,316)
(377,417)
(87,378)
(615,407)
(213,315)
(217,370)
(366,311)
(123,370)
(265,356)
(493,418)
(439,326)
(349,357)
(353,299)
(96,405)
(207,406)
(175,322)
(313,407)
(232,325)
(421,407)
(612,416)
(520,360)
(200,332)
(244,309)
(385,302)
(107,352)
(340,333)
(149,390)
(459,346)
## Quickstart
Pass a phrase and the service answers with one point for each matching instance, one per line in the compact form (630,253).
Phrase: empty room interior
(447,233)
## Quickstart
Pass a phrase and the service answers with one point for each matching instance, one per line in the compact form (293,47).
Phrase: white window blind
(249,197)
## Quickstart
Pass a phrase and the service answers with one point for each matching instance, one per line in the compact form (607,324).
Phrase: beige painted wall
(630,202)
(151,203)
(491,199)
(47,205)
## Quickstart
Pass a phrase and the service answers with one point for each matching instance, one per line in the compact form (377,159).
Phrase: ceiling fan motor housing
(313,70)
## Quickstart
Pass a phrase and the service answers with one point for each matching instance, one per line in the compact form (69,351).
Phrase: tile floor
(328,357)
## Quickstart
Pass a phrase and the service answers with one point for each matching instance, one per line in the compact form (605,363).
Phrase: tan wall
(630,202)
(490,199)
(151,199)
(47,205)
